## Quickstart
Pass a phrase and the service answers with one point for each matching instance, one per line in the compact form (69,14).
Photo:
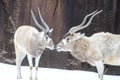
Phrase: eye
(47,37)
(68,39)
(72,34)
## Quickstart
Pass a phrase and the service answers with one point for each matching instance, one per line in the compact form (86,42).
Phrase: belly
(112,61)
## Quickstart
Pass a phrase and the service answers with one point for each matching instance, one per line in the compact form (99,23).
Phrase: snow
(8,72)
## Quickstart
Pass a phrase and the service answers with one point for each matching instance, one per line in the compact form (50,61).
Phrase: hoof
(30,78)
(19,77)
(36,78)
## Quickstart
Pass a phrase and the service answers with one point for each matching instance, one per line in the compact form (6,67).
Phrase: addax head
(68,41)
(45,34)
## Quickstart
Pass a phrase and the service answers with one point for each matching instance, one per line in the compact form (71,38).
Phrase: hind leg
(30,64)
(19,58)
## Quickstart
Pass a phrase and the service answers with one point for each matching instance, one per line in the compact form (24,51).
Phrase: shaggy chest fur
(35,48)
(82,51)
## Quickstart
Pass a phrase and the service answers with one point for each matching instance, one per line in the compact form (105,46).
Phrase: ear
(41,34)
(78,35)
(35,35)
(51,30)
(83,34)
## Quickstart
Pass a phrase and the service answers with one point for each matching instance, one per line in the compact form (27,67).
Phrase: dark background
(60,15)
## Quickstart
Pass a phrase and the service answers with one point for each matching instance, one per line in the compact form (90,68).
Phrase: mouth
(58,49)
(52,48)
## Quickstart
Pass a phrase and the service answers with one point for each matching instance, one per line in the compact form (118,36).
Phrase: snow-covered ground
(8,72)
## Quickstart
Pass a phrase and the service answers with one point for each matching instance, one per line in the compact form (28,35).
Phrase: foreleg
(100,69)
(37,64)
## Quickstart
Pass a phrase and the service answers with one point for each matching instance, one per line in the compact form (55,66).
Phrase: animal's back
(110,47)
(105,38)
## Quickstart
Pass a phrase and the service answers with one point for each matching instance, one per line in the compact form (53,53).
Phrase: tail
(12,22)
